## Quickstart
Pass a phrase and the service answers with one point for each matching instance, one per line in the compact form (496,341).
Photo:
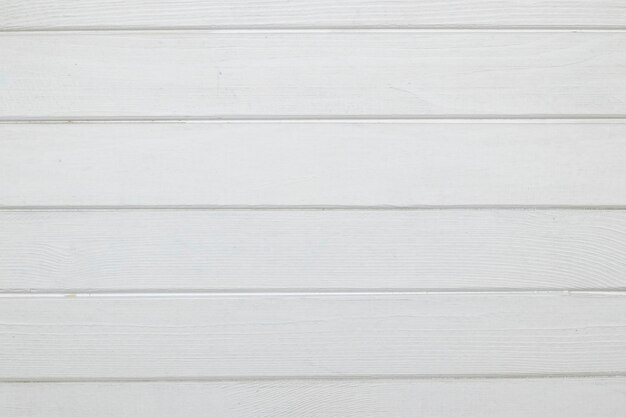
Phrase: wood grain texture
(182,250)
(287,335)
(576,397)
(46,14)
(73,75)
(251,164)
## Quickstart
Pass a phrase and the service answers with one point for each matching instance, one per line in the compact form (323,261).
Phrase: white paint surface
(156,74)
(181,250)
(277,164)
(147,14)
(166,247)
(311,335)
(571,397)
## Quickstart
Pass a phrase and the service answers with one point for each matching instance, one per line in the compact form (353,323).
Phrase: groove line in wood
(327,29)
(291,292)
(466,118)
(391,208)
(343,377)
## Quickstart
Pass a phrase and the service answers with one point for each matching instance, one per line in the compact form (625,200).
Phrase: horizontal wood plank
(183,250)
(574,397)
(135,74)
(320,164)
(289,335)
(47,14)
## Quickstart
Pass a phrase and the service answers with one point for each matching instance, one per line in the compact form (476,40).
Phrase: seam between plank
(441,118)
(293,292)
(200,207)
(318,28)
(342,377)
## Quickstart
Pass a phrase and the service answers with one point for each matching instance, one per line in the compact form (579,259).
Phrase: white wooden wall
(303,208)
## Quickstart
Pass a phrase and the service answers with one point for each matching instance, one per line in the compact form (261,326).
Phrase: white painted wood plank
(136,74)
(301,249)
(42,14)
(286,335)
(575,397)
(313,164)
